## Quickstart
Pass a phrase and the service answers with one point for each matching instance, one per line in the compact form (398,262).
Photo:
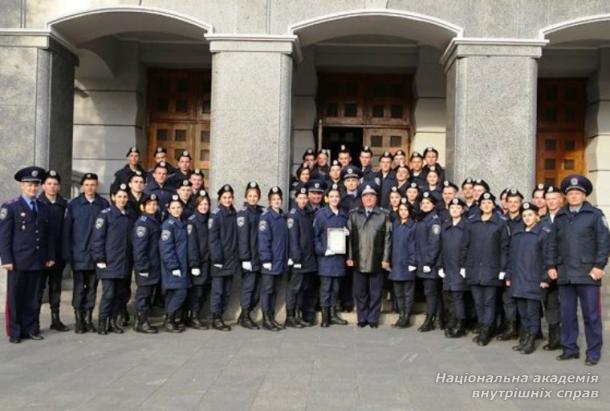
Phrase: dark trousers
(589,298)
(509,305)
(269,286)
(249,292)
(194,298)
(23,294)
(144,298)
(404,295)
(550,300)
(368,292)
(85,289)
(431,292)
(329,291)
(221,292)
(111,303)
(174,300)
(346,289)
(458,307)
(125,291)
(529,313)
(296,291)
(311,295)
(52,283)
(485,303)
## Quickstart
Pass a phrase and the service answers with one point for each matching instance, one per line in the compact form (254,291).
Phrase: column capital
(265,43)
(497,47)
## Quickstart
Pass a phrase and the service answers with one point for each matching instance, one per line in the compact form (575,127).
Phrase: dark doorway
(334,137)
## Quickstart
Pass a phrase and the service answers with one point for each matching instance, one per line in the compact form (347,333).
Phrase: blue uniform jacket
(300,228)
(224,247)
(247,231)
(164,194)
(332,265)
(146,257)
(199,248)
(273,241)
(78,229)
(526,262)
(25,239)
(453,254)
(487,250)
(57,211)
(111,244)
(428,244)
(403,251)
(173,247)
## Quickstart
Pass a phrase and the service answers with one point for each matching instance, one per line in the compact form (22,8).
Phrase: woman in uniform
(395,197)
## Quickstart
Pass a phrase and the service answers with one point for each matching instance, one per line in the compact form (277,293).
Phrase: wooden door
(179,114)
(561,129)
(386,139)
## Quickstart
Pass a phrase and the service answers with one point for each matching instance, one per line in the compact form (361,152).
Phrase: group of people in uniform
(352,236)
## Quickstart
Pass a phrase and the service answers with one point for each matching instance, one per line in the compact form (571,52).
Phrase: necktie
(34,211)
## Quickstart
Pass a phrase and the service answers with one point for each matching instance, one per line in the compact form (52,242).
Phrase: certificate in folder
(335,240)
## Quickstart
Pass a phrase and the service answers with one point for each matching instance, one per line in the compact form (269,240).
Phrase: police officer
(111,247)
(416,164)
(386,179)
(123,175)
(431,160)
(315,189)
(434,185)
(344,156)
(331,266)
(185,194)
(175,273)
(403,263)
(350,199)
(26,251)
(81,214)
(302,259)
(147,261)
(577,253)
(334,175)
(159,186)
(321,169)
(412,194)
(273,251)
(451,265)
(224,253)
(197,180)
(183,171)
(428,246)
(57,209)
(402,178)
(199,258)
(526,272)
(366,164)
(468,192)
(136,192)
(247,230)
(487,248)
(160,156)
(538,198)
(449,193)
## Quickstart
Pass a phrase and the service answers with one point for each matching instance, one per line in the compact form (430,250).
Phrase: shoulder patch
(99,223)
(293,211)
(189,229)
(216,210)
(3,213)
(210,223)
(546,228)
(192,217)
(170,221)
(436,229)
(262,225)
(106,210)
(290,223)
(140,231)
(241,221)
(166,235)
(143,218)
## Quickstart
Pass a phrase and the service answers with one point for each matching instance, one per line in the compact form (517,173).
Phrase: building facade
(516,92)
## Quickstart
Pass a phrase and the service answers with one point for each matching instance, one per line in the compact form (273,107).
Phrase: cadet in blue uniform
(366,164)
(431,160)
(199,258)
(160,157)
(577,253)
(224,253)
(525,274)
(321,168)
(81,214)
(451,265)
(416,163)
(123,175)
(273,252)
(412,193)
(316,189)
(57,209)
(183,171)
(159,187)
(247,231)
(331,266)
(147,261)
(394,202)
(387,179)
(112,252)
(487,248)
(185,193)
(175,273)
(403,263)
(302,259)
(428,246)
(136,191)
(25,253)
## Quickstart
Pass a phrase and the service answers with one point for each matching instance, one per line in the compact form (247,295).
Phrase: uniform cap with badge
(30,175)
(351,172)
(52,174)
(576,182)
(528,206)
(316,186)
(88,176)
(368,187)
(488,196)
(427,195)
(225,189)
(275,190)
(132,149)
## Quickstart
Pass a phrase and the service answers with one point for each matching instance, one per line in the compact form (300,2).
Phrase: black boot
(170,324)
(267,323)
(554,338)
(325,317)
(142,325)
(219,324)
(459,330)
(89,321)
(114,325)
(274,321)
(245,320)
(485,336)
(428,324)
(304,322)
(530,344)
(510,332)
(400,320)
(193,321)
(79,322)
(124,316)
(56,323)
(292,320)
(439,322)
(522,338)
(102,326)
(334,317)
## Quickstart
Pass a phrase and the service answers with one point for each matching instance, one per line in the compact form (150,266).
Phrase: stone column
(251,112)
(491,111)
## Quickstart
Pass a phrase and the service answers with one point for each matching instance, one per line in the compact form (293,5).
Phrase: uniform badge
(210,223)
(189,229)
(3,213)
(290,223)
(99,223)
(241,221)
(574,181)
(22,214)
(262,225)
(377,181)
(436,229)
(141,231)
(165,235)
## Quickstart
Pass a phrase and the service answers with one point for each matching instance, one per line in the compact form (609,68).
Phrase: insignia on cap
(350,170)
(486,196)
(88,175)
(303,190)
(153,197)
(403,200)
(175,198)
(550,189)
(317,185)
(526,206)
(513,191)
(336,163)
(123,187)
(335,186)
(275,189)
(185,182)
(574,181)
(162,164)
(394,189)
(203,193)
(252,184)
(197,171)
(227,187)
(432,168)
(309,151)
(455,201)
(386,153)
(138,173)
(413,185)
(368,187)
(541,186)
(366,148)
(446,183)
(185,153)
(159,149)
(342,147)
(34,173)
(52,173)
(426,194)
(133,149)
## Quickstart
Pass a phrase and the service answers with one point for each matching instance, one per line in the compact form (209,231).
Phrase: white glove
(143,275)
(195,271)
(267,266)
(441,273)
(176,273)
(297,266)
(501,275)
(290,262)
(463,272)
(329,252)
(246,265)
(412,268)
(101,266)
(218,265)
(427,269)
